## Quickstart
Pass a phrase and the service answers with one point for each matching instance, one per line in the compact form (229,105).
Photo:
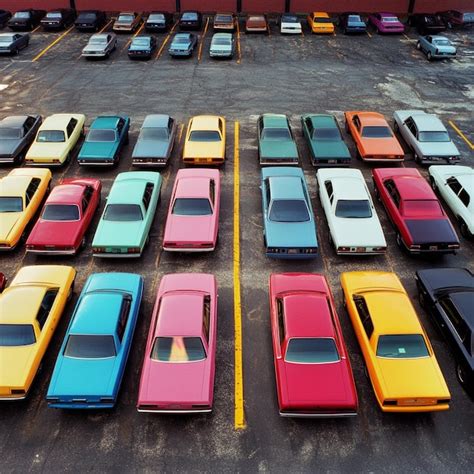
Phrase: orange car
(373,136)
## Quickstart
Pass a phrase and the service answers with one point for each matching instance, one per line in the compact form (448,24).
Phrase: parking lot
(270,73)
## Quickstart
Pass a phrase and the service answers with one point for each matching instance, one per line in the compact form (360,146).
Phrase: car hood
(15,364)
(424,231)
(150,148)
(7,222)
(54,233)
(446,49)
(323,149)
(203,149)
(277,149)
(8,147)
(94,47)
(98,150)
(189,229)
(46,150)
(438,148)
(221,47)
(290,234)
(375,146)
(358,232)
(111,234)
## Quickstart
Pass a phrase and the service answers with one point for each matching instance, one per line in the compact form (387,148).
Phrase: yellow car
(21,193)
(205,141)
(320,22)
(30,309)
(400,361)
(56,139)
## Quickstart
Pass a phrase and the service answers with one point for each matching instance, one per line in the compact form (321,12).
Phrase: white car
(426,135)
(354,227)
(100,45)
(456,186)
(290,24)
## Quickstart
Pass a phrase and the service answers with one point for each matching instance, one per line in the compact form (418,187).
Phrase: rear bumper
(174,412)
(278,162)
(52,252)
(188,249)
(117,255)
(335,414)
(150,162)
(81,406)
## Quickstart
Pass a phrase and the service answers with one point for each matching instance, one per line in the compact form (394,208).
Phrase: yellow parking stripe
(202,40)
(454,126)
(36,29)
(368,34)
(56,41)
(168,36)
(239,53)
(106,26)
(136,34)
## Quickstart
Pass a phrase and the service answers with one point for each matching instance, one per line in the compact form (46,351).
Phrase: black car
(352,23)
(448,295)
(142,47)
(90,20)
(158,21)
(17,132)
(25,20)
(190,20)
(427,23)
(58,19)
(4,17)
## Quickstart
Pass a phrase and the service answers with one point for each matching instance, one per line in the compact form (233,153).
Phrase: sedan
(224,22)
(100,45)
(180,355)
(142,47)
(290,24)
(25,20)
(455,18)
(13,43)
(192,224)
(93,356)
(320,22)
(436,47)
(386,23)
(256,24)
(90,20)
(58,19)
(222,45)
(183,45)
(16,135)
(158,21)
(289,227)
(427,23)
(127,22)
(352,23)
(5,16)
(312,368)
(190,20)
(421,224)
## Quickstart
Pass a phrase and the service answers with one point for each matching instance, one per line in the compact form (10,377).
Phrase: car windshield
(415,208)
(441,42)
(289,19)
(123,213)
(355,18)
(87,16)
(126,18)
(16,335)
(151,133)
(311,350)
(221,41)
(257,18)
(434,137)
(189,16)
(98,40)
(10,133)
(6,39)
(404,346)
(319,19)
(84,346)
(11,204)
(289,210)
(182,39)
(205,136)
(50,136)
(156,17)
(327,134)
(192,207)
(178,349)
(53,15)
(353,209)
(390,19)
(224,18)
(61,212)
(141,42)
(276,134)
(374,131)
(101,135)
(21,15)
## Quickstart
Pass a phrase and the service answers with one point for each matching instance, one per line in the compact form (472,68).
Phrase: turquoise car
(128,215)
(288,219)
(106,137)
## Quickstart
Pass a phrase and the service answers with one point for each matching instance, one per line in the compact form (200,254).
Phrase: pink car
(193,215)
(386,23)
(179,366)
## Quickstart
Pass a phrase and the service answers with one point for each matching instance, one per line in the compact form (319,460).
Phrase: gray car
(222,45)
(16,134)
(100,45)
(12,43)
(183,44)
(426,135)
(155,142)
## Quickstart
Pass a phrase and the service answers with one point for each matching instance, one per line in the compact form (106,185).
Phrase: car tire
(461,374)
(416,157)
(418,45)
(16,52)
(422,298)
(396,128)
(377,194)
(433,184)
(400,241)
(463,228)
(429,55)
(83,243)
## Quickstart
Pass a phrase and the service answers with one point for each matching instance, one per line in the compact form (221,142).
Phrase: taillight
(133,250)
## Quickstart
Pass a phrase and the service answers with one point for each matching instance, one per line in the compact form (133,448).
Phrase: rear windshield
(405,346)
(441,42)
(182,39)
(355,18)
(189,16)
(289,210)
(376,132)
(97,135)
(11,204)
(60,212)
(358,209)
(98,40)
(10,133)
(90,346)
(205,136)
(141,42)
(312,350)
(50,136)
(123,213)
(433,137)
(16,335)
(224,18)
(329,134)
(178,349)
(276,134)
(289,19)
(86,16)
(125,18)
(390,19)
(153,134)
(53,15)
(6,39)
(414,208)
(318,19)
(192,207)
(221,41)
(21,15)
(156,17)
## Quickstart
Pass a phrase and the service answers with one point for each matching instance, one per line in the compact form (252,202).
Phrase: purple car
(386,23)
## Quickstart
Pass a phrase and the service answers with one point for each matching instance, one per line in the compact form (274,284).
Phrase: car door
(392,202)
(47,318)
(89,204)
(408,131)
(171,135)
(308,132)
(451,191)
(326,195)
(266,199)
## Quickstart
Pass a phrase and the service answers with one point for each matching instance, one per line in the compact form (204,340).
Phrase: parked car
(289,227)
(426,136)
(427,23)
(276,144)
(373,137)
(90,20)
(456,185)
(100,45)
(354,226)
(22,192)
(58,19)
(256,24)
(436,47)
(127,22)
(455,18)
(324,139)
(181,347)
(386,23)
(155,141)
(352,23)
(30,310)
(183,44)
(13,43)
(420,222)
(142,47)
(312,368)
(25,20)
(124,227)
(400,361)
(158,21)
(222,45)
(66,216)
(192,223)
(320,22)
(447,295)
(290,24)
(92,359)
(190,20)
(205,140)
(106,137)
(224,22)
(5,16)
(16,134)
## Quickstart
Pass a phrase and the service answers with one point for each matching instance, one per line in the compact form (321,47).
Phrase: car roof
(437,37)
(128,190)
(56,121)
(205,122)
(286,187)
(66,193)
(274,121)
(371,118)
(183,35)
(428,123)
(105,122)
(100,35)
(195,187)
(462,300)
(323,121)
(13,121)
(321,14)
(348,186)
(222,35)
(14,185)
(156,120)
(21,301)
(413,187)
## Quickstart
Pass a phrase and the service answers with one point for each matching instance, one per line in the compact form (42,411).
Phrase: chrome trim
(52,252)
(316,415)
(173,412)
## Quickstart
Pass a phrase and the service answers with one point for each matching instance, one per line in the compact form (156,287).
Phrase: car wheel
(461,373)
(396,128)
(433,184)
(16,52)
(346,126)
(422,298)
(463,228)
(69,294)
(418,45)
(429,56)
(399,241)
(83,243)
(377,194)
(416,157)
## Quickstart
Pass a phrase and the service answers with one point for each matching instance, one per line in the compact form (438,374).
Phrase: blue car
(94,353)
(352,23)
(106,137)
(288,219)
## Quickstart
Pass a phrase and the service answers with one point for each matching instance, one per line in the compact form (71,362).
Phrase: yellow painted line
(136,34)
(36,29)
(239,418)
(56,41)
(469,143)
(368,34)
(106,26)
(202,40)
(180,132)
(239,52)
(168,36)
(406,37)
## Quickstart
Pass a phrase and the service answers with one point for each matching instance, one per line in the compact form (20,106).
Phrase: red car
(193,216)
(3,281)
(412,206)
(179,366)
(313,372)
(66,215)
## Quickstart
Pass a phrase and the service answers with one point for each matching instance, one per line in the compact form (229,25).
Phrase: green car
(276,145)
(325,141)
(126,221)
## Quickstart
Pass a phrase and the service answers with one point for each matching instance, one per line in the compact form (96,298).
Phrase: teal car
(288,219)
(276,145)
(324,139)
(106,137)
(125,224)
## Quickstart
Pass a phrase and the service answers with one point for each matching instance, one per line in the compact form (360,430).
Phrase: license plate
(417,401)
(293,251)
(112,250)
(332,162)
(433,247)
(360,249)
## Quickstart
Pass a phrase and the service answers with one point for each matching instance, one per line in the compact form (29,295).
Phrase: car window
(120,125)
(147,195)
(276,134)
(454,184)
(464,197)
(356,122)
(281,320)
(86,198)
(353,208)
(90,346)
(329,190)
(46,305)
(311,350)
(29,123)
(205,136)
(71,127)
(433,137)
(31,190)
(392,191)
(60,212)
(101,135)
(11,204)
(192,207)
(289,210)
(212,191)
(16,335)
(268,196)
(376,131)
(309,125)
(123,213)
(126,18)
(206,317)
(50,136)
(364,314)
(410,124)
(178,349)
(123,316)
(10,133)
(403,346)
(152,133)
(455,319)
(327,134)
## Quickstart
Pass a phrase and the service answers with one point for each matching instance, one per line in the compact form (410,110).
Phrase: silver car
(12,43)
(100,45)
(426,135)
(222,45)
